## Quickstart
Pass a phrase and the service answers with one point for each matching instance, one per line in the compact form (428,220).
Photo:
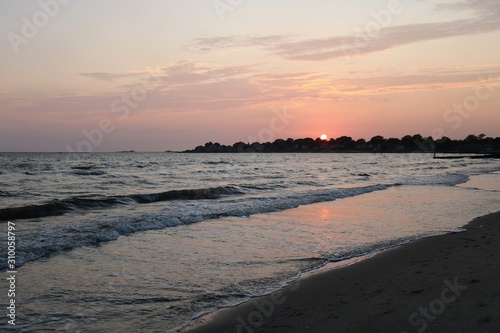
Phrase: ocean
(137,242)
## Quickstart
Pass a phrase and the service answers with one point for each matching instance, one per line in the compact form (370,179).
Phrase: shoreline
(444,283)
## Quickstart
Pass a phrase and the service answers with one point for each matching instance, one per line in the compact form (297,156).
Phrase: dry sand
(447,283)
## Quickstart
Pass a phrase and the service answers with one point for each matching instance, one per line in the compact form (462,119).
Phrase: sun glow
(323,137)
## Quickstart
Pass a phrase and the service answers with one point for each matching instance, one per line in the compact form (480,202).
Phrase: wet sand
(447,283)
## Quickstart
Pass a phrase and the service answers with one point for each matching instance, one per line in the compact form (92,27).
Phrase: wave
(55,208)
(216,162)
(24,166)
(62,206)
(450,179)
(87,170)
(207,193)
(181,212)
(264,186)
(371,248)
(84,172)
(83,167)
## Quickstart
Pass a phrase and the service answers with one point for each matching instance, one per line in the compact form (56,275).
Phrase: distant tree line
(377,144)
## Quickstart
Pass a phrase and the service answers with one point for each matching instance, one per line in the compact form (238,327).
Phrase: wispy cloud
(188,87)
(108,77)
(208,44)
(391,37)
(180,73)
(483,7)
(485,17)
(422,81)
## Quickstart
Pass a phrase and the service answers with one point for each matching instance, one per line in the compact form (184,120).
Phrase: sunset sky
(155,75)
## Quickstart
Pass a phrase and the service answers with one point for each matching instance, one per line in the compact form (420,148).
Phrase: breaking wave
(62,206)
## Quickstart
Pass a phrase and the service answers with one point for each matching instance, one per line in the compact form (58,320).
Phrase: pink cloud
(485,18)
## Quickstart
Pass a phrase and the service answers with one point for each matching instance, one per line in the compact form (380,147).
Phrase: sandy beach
(446,283)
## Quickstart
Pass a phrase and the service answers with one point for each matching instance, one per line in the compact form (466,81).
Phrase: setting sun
(323,137)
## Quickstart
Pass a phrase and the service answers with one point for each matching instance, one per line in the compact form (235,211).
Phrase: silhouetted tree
(345,142)
(496,143)
(409,143)
(393,144)
(444,144)
(378,143)
(471,138)
(280,144)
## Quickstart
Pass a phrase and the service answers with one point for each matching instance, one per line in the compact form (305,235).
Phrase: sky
(156,75)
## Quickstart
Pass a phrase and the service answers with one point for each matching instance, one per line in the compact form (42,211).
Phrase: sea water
(148,242)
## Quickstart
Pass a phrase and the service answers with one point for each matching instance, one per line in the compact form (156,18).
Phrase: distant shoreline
(472,144)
